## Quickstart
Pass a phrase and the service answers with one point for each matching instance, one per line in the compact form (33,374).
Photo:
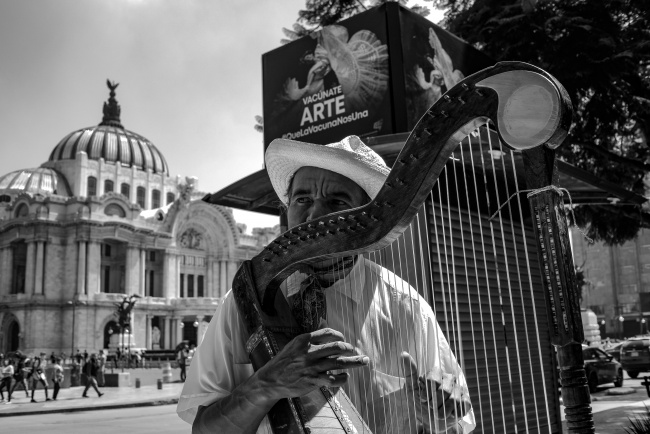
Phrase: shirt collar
(351,286)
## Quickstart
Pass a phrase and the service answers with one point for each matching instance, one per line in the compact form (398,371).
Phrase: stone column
(215,279)
(6,272)
(131,280)
(223,273)
(207,283)
(178,277)
(166,332)
(81,268)
(30,268)
(166,272)
(147,331)
(178,330)
(38,272)
(93,267)
(143,261)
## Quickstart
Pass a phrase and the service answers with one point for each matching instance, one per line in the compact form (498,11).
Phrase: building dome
(112,142)
(42,180)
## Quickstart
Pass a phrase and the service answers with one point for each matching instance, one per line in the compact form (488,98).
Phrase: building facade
(103,220)
(617,285)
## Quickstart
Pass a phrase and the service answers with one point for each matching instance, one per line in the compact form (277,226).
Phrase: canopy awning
(255,192)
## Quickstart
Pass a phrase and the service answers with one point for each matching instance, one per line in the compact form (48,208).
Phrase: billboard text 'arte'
(334,83)
(372,74)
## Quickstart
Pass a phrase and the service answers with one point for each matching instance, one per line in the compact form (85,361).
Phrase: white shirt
(376,311)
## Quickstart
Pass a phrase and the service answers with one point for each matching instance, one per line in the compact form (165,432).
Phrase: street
(611,413)
(142,420)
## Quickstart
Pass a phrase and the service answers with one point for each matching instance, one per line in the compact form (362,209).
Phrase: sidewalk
(71,400)
(612,414)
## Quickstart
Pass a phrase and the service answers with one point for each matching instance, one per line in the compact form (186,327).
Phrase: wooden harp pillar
(560,290)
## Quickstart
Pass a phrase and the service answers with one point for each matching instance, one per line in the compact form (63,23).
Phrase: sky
(189,71)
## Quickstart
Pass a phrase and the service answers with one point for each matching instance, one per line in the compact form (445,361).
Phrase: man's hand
(303,364)
(421,405)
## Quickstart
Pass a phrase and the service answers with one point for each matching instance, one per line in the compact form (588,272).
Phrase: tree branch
(614,157)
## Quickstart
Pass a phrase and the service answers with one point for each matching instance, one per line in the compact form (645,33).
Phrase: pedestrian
(52,358)
(182,360)
(78,357)
(38,376)
(137,358)
(90,369)
(58,377)
(5,382)
(101,360)
(22,371)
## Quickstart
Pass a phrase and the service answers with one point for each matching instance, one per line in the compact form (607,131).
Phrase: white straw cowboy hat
(350,157)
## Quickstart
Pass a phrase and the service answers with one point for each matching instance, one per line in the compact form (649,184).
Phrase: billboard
(372,74)
(433,60)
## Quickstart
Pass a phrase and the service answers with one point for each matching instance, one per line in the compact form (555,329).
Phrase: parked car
(601,368)
(635,355)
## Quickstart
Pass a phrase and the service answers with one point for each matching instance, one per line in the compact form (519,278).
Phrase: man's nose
(319,208)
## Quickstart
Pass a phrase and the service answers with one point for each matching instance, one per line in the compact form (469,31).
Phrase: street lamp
(621,320)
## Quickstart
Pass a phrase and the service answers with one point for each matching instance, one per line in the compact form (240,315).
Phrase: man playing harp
(366,329)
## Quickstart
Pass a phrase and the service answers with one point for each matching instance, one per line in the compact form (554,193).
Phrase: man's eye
(303,200)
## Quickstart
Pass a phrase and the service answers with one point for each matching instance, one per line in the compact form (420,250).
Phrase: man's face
(316,192)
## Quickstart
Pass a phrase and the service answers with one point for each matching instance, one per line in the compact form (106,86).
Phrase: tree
(599,50)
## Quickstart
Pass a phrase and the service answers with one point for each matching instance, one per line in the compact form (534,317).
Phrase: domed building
(102,223)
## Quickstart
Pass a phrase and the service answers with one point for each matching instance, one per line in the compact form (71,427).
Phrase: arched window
(155,199)
(92,186)
(170,198)
(5,198)
(108,186)
(114,209)
(22,210)
(125,190)
(140,193)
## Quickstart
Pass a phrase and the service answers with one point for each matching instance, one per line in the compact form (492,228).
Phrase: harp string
(532,298)
(487,276)
(527,344)
(452,288)
(476,273)
(444,276)
(502,286)
(397,269)
(408,331)
(431,293)
(425,295)
(478,286)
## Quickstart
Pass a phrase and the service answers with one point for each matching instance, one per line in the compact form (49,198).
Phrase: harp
(472,218)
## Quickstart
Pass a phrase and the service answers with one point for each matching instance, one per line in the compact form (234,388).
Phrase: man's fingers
(337,348)
(334,363)
(324,336)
